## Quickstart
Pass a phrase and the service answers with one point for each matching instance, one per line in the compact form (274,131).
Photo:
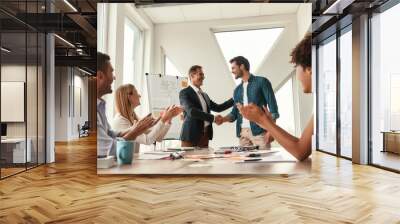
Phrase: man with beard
(256,90)
(106,137)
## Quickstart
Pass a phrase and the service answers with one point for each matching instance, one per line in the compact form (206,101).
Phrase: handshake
(218,119)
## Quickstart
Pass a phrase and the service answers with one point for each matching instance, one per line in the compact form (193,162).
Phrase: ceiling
(201,12)
(73,20)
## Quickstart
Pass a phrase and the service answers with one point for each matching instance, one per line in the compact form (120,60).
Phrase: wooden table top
(215,166)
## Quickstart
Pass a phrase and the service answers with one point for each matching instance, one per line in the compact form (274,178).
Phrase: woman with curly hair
(299,147)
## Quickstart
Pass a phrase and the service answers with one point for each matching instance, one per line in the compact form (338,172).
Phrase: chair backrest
(86,125)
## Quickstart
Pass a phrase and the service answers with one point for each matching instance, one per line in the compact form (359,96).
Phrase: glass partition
(385,89)
(22,77)
(346,93)
(327,96)
(13,95)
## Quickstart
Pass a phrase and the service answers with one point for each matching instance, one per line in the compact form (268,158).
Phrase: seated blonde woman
(127,99)
(298,147)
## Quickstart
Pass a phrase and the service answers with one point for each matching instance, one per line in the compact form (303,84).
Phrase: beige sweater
(157,132)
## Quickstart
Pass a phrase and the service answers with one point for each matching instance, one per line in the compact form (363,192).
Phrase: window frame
(137,48)
(333,37)
(381,9)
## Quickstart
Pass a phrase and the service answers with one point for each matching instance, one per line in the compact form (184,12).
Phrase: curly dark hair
(301,54)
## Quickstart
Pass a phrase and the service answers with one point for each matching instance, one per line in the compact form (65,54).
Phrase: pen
(252,160)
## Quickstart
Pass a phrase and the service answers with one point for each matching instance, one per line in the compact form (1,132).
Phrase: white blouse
(156,133)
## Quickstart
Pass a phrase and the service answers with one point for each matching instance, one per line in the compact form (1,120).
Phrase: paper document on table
(180,149)
(153,155)
(272,159)
(265,152)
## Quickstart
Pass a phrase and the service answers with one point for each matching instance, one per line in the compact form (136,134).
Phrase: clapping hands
(172,111)
(254,113)
(139,127)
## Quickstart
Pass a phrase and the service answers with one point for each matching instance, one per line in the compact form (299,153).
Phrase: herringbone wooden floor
(69,191)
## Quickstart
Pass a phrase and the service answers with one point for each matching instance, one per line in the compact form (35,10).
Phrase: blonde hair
(122,104)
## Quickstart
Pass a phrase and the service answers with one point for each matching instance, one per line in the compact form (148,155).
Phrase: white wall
(276,66)
(304,14)
(192,43)
(306,101)
(67,79)
(61,103)
(33,127)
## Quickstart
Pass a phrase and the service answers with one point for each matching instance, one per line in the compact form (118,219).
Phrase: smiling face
(197,77)
(105,79)
(134,97)
(237,70)
(304,76)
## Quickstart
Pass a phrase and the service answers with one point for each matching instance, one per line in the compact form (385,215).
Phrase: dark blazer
(194,117)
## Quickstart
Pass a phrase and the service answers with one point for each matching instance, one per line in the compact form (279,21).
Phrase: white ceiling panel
(170,14)
(201,12)
(278,8)
(239,10)
(211,11)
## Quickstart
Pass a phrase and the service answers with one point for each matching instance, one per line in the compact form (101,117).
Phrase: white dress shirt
(106,138)
(202,101)
(245,122)
(157,132)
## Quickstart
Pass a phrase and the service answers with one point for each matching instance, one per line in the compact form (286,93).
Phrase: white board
(12,101)
(163,91)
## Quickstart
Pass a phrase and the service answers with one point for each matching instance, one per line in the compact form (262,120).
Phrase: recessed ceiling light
(5,50)
(337,7)
(84,71)
(64,40)
(70,5)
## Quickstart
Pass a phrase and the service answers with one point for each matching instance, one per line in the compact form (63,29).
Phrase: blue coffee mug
(125,152)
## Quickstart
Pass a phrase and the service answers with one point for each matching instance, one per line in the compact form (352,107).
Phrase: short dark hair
(102,60)
(301,54)
(240,60)
(193,69)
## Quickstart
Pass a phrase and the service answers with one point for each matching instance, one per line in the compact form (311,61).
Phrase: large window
(131,42)
(327,96)
(284,97)
(170,68)
(385,89)
(346,93)
(257,45)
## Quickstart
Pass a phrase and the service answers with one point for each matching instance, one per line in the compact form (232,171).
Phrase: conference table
(281,163)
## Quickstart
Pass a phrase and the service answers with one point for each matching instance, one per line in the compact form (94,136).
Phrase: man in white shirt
(252,90)
(106,138)
(197,125)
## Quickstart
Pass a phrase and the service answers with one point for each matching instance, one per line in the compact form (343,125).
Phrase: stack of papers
(154,155)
